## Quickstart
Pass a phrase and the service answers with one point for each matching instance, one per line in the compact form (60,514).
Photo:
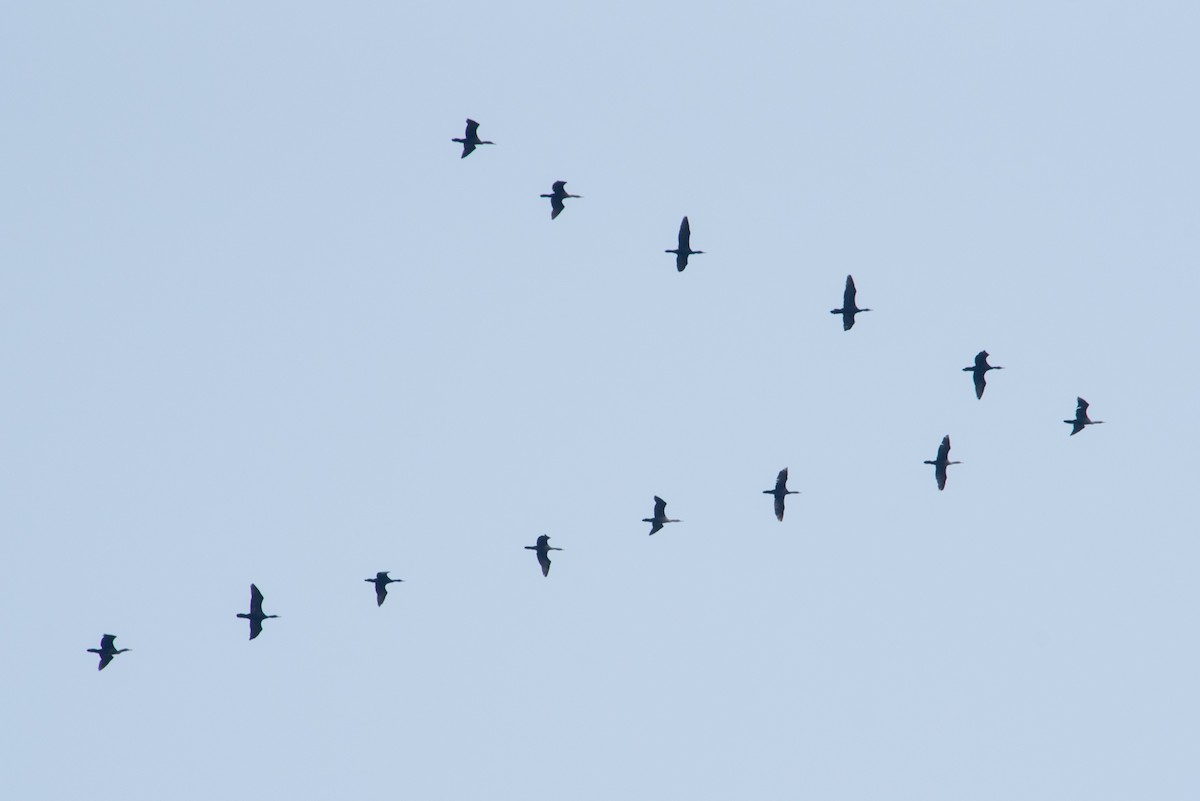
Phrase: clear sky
(259,323)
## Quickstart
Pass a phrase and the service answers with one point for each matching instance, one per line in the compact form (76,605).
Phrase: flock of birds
(558,195)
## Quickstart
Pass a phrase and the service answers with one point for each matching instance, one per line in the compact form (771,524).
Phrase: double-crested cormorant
(685,246)
(849,309)
(543,549)
(107,650)
(942,462)
(660,518)
(381,581)
(1081,418)
(780,492)
(980,369)
(471,139)
(557,198)
(256,616)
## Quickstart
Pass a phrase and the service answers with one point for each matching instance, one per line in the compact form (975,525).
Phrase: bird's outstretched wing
(685,235)
(781,481)
(1076,426)
(944,449)
(849,295)
(655,525)
(848,318)
(556,206)
(544,560)
(559,187)
(255,627)
(1081,408)
(468,148)
(981,360)
(660,507)
(980,380)
(472,129)
(106,642)
(681,259)
(105,658)
(380,592)
(940,473)
(779,507)
(256,599)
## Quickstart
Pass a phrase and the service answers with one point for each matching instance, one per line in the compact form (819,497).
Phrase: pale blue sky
(259,322)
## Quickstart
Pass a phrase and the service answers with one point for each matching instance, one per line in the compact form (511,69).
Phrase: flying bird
(543,549)
(980,369)
(1081,418)
(942,462)
(381,581)
(107,650)
(780,492)
(471,139)
(849,309)
(256,616)
(685,246)
(660,518)
(559,194)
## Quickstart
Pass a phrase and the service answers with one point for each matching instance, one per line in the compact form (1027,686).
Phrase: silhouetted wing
(685,235)
(681,259)
(543,541)
(256,599)
(468,149)
(779,507)
(944,452)
(380,592)
(105,658)
(848,316)
(106,642)
(781,481)
(980,381)
(1081,408)
(255,627)
(544,561)
(660,507)
(1076,426)
(940,472)
(655,525)
(472,129)
(848,295)
(556,206)
(559,188)
(981,360)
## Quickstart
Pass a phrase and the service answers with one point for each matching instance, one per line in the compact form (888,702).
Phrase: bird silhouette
(559,194)
(660,518)
(780,492)
(1081,418)
(980,369)
(471,139)
(256,616)
(685,246)
(381,581)
(543,549)
(942,462)
(849,309)
(107,650)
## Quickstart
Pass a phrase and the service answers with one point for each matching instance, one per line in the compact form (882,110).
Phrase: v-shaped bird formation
(683,251)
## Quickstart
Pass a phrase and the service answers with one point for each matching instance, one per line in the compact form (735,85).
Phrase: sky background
(259,323)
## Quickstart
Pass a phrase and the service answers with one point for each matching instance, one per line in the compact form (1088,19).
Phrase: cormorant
(256,616)
(848,309)
(980,369)
(660,516)
(543,549)
(471,139)
(1081,418)
(942,462)
(107,650)
(557,198)
(780,492)
(381,581)
(685,246)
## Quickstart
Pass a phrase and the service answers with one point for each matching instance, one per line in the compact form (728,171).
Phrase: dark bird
(940,465)
(1081,418)
(381,581)
(685,246)
(471,139)
(980,369)
(543,549)
(107,650)
(849,309)
(780,492)
(557,198)
(256,616)
(660,518)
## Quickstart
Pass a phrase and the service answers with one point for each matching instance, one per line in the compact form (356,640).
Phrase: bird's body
(107,650)
(471,139)
(685,246)
(557,196)
(979,370)
(660,518)
(942,462)
(780,492)
(256,616)
(849,308)
(1081,417)
(543,549)
(381,581)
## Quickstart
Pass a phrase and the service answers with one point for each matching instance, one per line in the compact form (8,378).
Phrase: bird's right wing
(105,658)
(256,599)
(255,627)
(660,507)
(980,383)
(779,508)
(106,642)
(655,525)
(380,593)
(556,206)
(544,561)
(850,293)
